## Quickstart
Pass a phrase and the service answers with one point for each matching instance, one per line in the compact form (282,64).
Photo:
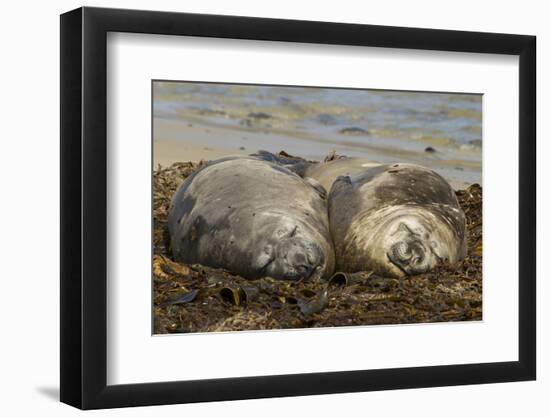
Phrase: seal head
(254,218)
(409,240)
(291,257)
(396,220)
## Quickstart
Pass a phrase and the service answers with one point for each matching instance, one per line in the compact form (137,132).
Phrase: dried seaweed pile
(195,298)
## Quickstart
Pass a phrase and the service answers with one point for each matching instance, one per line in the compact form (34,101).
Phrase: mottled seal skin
(327,172)
(253,218)
(395,220)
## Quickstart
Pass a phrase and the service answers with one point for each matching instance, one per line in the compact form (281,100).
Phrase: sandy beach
(178,141)
(204,121)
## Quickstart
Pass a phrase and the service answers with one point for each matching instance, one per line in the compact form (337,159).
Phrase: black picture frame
(84,207)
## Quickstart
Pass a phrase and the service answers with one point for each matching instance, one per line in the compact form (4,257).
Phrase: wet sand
(177,141)
(438,130)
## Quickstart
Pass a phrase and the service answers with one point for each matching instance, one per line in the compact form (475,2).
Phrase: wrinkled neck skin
(401,241)
(292,251)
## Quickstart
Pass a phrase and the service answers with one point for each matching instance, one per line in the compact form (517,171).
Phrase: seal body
(327,172)
(254,218)
(395,220)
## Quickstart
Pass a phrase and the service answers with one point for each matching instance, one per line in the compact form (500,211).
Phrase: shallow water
(385,126)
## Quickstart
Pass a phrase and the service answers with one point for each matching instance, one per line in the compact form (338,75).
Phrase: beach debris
(259,115)
(185,298)
(164,268)
(332,155)
(342,279)
(256,119)
(381,284)
(211,112)
(234,296)
(239,295)
(246,320)
(354,131)
(314,304)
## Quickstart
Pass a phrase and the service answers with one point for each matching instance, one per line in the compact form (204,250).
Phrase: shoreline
(179,141)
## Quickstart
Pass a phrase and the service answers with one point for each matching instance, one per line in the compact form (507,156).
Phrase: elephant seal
(395,220)
(253,218)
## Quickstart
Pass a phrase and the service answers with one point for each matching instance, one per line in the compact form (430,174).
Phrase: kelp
(195,298)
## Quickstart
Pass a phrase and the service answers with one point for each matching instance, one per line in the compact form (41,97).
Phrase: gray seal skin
(253,218)
(395,220)
(327,172)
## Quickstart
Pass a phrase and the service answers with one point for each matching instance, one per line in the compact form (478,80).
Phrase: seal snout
(301,259)
(409,256)
(291,259)
(304,260)
(401,252)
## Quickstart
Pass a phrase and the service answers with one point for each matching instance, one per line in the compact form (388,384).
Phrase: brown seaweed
(448,293)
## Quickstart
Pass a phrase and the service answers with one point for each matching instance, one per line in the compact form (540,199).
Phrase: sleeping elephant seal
(395,220)
(253,218)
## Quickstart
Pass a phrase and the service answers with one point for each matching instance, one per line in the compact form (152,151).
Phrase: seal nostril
(401,251)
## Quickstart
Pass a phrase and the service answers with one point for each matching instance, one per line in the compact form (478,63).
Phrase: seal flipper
(342,183)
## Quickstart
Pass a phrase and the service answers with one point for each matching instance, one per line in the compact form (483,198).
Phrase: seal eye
(403,228)
(284,233)
(265,259)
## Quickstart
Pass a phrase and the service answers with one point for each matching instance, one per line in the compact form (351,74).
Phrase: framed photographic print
(258,207)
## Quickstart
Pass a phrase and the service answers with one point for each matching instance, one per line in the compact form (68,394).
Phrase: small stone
(358,131)
(259,115)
